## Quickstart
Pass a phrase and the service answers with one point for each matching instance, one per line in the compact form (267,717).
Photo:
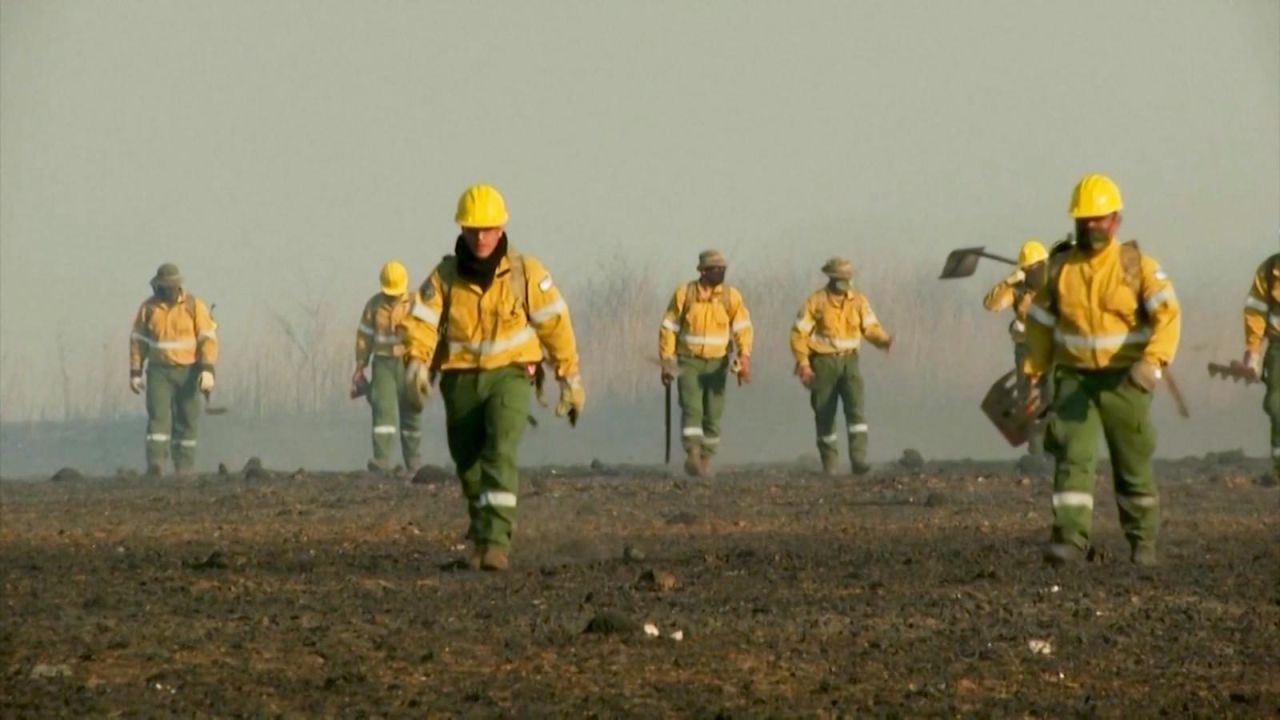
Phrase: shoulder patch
(545,283)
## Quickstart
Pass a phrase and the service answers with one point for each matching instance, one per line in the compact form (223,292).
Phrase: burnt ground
(902,594)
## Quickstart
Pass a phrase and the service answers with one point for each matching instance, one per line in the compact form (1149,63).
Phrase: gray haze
(279,150)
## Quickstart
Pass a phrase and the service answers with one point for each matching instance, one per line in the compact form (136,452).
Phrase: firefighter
(175,343)
(1108,323)
(1262,320)
(482,319)
(825,341)
(703,322)
(1017,291)
(378,338)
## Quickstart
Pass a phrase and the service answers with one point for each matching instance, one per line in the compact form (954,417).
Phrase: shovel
(211,409)
(963,262)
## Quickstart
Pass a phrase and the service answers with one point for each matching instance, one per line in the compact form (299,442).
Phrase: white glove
(417,380)
(1253,361)
(206,381)
(1016,277)
(137,384)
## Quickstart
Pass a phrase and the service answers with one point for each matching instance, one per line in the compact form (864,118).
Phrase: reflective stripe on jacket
(489,329)
(702,326)
(1091,317)
(1262,305)
(835,322)
(181,333)
(379,329)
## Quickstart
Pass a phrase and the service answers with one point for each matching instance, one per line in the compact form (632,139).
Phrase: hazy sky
(259,144)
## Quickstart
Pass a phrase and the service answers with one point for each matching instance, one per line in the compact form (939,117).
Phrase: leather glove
(573,397)
(805,373)
(1016,277)
(1145,374)
(1253,364)
(417,381)
(741,367)
(206,381)
(136,383)
(669,370)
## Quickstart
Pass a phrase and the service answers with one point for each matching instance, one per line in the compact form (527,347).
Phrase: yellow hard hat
(1095,195)
(1031,253)
(394,278)
(481,206)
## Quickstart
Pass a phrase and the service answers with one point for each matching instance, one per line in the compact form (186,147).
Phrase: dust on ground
(914,593)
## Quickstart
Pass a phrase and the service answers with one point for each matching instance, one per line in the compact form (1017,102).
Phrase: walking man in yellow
(701,320)
(482,319)
(1017,291)
(825,341)
(378,337)
(1262,320)
(175,342)
(1109,322)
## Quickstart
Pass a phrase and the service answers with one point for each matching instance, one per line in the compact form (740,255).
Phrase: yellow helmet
(481,206)
(1095,195)
(1032,252)
(394,278)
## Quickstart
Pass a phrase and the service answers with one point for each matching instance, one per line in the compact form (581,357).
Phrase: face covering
(479,270)
(713,276)
(1094,238)
(840,286)
(167,294)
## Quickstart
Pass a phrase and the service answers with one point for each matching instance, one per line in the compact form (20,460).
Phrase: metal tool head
(1005,407)
(1235,371)
(961,263)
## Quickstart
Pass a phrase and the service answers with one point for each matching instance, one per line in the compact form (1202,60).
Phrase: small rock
(215,561)
(44,671)
(935,499)
(430,475)
(611,622)
(1040,647)
(911,459)
(677,635)
(632,554)
(298,474)
(66,474)
(651,630)
(656,581)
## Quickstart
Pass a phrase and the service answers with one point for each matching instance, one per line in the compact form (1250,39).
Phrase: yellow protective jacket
(379,331)
(1016,295)
(488,329)
(182,333)
(1105,311)
(834,323)
(1262,305)
(700,321)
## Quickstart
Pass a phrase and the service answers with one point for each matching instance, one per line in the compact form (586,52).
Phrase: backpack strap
(1273,263)
(519,280)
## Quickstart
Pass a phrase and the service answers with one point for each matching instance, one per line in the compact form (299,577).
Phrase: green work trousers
(392,414)
(1093,405)
(1271,401)
(173,414)
(701,383)
(836,381)
(486,412)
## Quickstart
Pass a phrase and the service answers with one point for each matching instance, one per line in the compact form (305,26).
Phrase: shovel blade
(961,263)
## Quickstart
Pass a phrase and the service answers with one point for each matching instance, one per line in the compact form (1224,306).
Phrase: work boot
(860,467)
(376,467)
(704,468)
(693,462)
(830,464)
(476,557)
(494,559)
(1144,555)
(1058,554)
